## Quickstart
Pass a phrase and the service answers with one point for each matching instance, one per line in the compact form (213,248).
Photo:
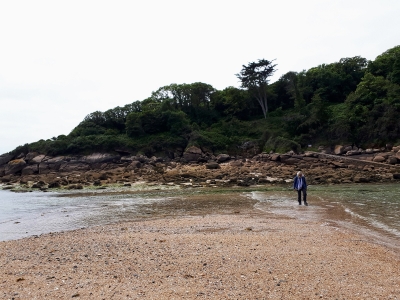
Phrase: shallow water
(374,209)
(27,214)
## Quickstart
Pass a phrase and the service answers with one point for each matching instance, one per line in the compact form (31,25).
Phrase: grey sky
(61,60)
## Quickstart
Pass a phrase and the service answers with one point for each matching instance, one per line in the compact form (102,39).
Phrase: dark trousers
(304,191)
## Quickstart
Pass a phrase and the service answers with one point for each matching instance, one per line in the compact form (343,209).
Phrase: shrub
(281,145)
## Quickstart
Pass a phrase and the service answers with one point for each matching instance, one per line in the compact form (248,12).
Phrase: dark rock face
(51,164)
(392,160)
(223,158)
(30,156)
(96,158)
(30,170)
(14,166)
(37,159)
(275,157)
(5,158)
(192,154)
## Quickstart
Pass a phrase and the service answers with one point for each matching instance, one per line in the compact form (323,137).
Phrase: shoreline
(230,253)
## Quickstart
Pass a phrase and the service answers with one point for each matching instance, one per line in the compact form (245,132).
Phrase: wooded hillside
(352,101)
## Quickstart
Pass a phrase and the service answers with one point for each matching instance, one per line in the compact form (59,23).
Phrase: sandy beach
(246,254)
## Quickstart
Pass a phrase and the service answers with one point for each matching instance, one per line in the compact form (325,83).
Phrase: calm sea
(372,208)
(35,213)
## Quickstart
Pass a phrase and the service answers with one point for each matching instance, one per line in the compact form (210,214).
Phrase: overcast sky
(61,60)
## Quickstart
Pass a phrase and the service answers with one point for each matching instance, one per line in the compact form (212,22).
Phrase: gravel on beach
(242,255)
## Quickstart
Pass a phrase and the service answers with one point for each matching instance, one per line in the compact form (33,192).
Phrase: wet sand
(221,251)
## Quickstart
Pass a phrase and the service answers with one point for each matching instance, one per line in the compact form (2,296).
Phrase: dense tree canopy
(351,101)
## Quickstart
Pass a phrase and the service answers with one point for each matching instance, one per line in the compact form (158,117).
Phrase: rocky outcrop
(49,164)
(98,158)
(192,154)
(5,158)
(30,170)
(37,159)
(223,158)
(196,168)
(14,166)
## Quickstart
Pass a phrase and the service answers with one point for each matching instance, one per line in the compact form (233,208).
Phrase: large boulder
(14,166)
(379,158)
(339,150)
(37,159)
(30,170)
(398,154)
(192,154)
(30,156)
(213,165)
(392,160)
(96,158)
(275,157)
(223,157)
(51,164)
(396,149)
(5,158)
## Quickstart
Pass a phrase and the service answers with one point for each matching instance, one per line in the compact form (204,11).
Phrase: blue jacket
(295,181)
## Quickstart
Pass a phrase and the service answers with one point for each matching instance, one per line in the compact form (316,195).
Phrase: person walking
(300,185)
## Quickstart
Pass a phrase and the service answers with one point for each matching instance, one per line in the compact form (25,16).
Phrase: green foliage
(281,145)
(184,96)
(349,101)
(233,102)
(133,125)
(335,81)
(209,140)
(177,122)
(255,78)
(385,63)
